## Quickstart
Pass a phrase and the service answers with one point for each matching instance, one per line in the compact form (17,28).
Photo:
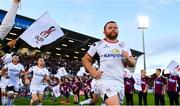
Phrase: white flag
(42,32)
(61,72)
(127,74)
(56,91)
(174,68)
(137,85)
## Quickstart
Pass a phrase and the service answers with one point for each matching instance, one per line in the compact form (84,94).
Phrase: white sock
(40,104)
(86,102)
(3,100)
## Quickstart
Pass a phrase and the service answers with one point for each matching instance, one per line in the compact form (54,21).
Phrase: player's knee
(35,102)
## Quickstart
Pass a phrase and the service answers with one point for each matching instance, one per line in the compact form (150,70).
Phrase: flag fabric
(7,58)
(174,67)
(42,32)
(137,85)
(127,73)
(82,71)
(61,72)
(56,91)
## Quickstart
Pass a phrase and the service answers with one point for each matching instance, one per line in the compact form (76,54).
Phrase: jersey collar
(109,41)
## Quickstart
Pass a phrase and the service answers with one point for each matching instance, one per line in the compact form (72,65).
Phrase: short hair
(143,70)
(40,57)
(108,23)
(15,54)
(159,69)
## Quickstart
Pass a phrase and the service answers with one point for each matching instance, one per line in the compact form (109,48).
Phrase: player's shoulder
(97,43)
(19,64)
(33,67)
(122,43)
(45,68)
(7,64)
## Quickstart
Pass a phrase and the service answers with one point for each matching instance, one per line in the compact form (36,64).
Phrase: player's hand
(11,43)
(164,92)
(96,74)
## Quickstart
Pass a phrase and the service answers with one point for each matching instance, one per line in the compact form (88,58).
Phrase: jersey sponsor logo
(128,83)
(171,80)
(158,82)
(120,45)
(14,70)
(37,74)
(106,46)
(142,82)
(115,53)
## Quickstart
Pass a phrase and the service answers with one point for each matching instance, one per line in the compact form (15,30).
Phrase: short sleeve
(22,68)
(93,49)
(31,69)
(46,72)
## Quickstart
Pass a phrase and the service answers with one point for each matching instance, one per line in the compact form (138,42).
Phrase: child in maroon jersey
(76,89)
(129,83)
(144,85)
(66,88)
(172,88)
(159,87)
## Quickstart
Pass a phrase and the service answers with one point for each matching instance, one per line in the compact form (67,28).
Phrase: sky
(162,38)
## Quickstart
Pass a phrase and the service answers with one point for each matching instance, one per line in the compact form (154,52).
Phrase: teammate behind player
(14,71)
(40,73)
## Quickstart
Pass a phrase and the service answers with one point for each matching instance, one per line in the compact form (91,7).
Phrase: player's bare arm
(87,62)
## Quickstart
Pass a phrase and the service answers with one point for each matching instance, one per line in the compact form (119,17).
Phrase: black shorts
(10,88)
(66,94)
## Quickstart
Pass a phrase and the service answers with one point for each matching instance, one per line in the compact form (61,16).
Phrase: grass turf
(48,101)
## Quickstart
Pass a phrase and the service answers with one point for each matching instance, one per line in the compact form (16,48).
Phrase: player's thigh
(40,96)
(113,100)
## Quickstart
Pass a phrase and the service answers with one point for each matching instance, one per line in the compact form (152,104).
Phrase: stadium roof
(71,45)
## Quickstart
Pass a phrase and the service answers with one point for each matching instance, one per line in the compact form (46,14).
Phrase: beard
(112,35)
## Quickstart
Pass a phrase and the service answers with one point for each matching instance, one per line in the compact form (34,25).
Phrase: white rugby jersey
(111,62)
(14,72)
(3,82)
(38,75)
